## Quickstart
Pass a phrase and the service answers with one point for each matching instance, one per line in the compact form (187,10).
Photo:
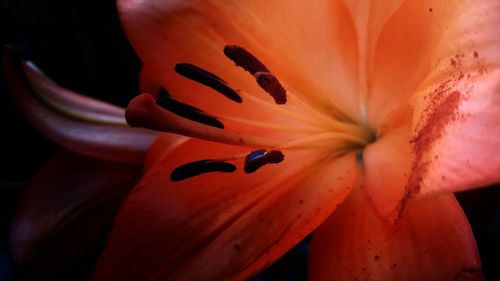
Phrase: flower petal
(86,130)
(221,226)
(369,17)
(448,149)
(426,42)
(406,52)
(65,211)
(70,102)
(457,135)
(432,242)
(388,164)
(304,50)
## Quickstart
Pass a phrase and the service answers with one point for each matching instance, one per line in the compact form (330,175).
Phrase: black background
(80,45)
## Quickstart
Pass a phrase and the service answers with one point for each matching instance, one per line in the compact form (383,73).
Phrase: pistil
(143,111)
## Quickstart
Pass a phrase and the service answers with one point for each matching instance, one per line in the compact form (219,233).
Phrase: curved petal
(70,102)
(220,226)
(432,242)
(305,50)
(426,42)
(85,135)
(448,150)
(457,134)
(388,164)
(406,52)
(369,18)
(65,211)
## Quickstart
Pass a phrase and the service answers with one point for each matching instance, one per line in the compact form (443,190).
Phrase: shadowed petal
(70,102)
(65,212)
(219,226)
(433,241)
(86,129)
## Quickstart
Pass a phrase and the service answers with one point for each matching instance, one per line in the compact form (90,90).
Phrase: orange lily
(391,107)
(381,110)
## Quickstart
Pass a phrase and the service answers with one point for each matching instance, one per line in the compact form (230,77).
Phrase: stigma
(317,129)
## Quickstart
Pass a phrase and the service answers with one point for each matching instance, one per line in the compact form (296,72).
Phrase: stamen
(324,140)
(196,168)
(296,99)
(320,122)
(259,158)
(208,79)
(264,77)
(271,126)
(283,111)
(272,86)
(187,111)
(244,59)
(143,111)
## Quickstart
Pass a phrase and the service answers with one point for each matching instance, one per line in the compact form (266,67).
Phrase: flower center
(332,132)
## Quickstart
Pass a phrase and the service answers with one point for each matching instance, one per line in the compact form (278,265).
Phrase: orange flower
(358,121)
(390,107)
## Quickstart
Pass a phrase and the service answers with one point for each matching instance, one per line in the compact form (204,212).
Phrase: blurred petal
(221,226)
(71,103)
(433,241)
(65,212)
(6,268)
(87,135)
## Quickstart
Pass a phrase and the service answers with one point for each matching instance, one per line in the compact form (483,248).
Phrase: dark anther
(259,158)
(272,86)
(196,168)
(208,79)
(185,110)
(244,59)
(264,77)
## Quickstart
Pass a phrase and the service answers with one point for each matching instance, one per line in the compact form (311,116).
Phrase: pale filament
(326,124)
(335,124)
(280,110)
(332,138)
(272,126)
(294,98)
(334,141)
